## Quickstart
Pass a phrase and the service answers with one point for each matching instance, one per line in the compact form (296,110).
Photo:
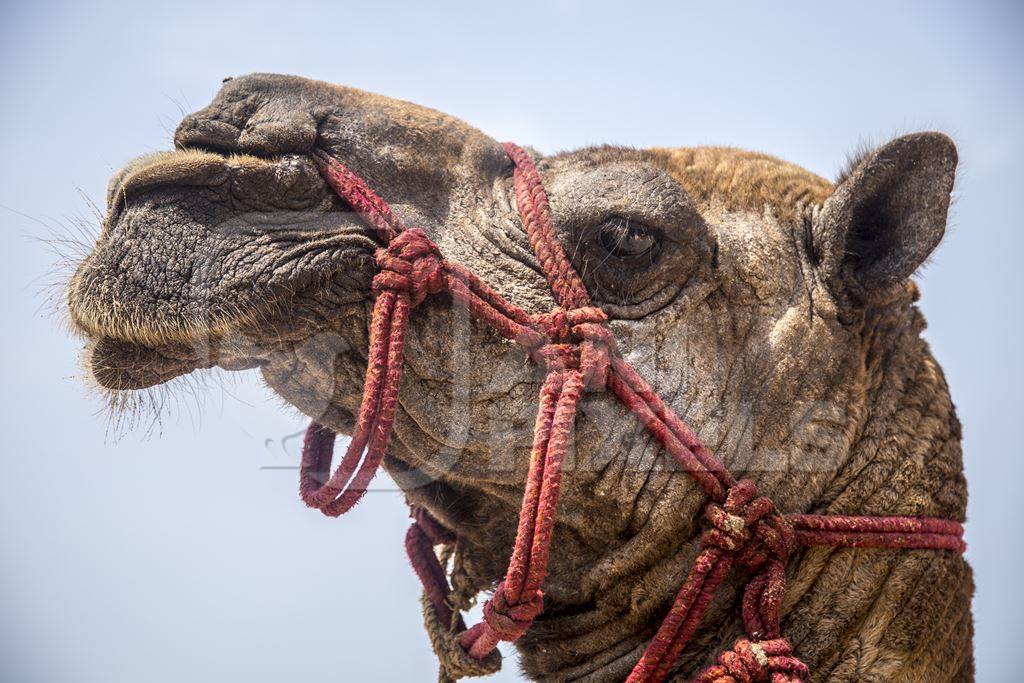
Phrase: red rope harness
(574,345)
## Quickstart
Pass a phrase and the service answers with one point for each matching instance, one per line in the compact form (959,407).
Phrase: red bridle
(575,346)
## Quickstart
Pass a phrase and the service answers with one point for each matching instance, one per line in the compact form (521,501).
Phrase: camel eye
(626,239)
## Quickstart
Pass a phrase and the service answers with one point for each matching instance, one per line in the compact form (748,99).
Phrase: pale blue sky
(180,556)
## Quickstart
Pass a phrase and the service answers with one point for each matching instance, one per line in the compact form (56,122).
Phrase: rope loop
(756,662)
(411,263)
(455,663)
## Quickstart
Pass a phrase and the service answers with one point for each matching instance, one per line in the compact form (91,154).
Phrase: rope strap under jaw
(577,350)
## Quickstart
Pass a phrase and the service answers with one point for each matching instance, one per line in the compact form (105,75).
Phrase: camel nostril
(197,131)
(291,133)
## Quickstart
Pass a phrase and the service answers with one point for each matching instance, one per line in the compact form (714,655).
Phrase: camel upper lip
(148,302)
(178,167)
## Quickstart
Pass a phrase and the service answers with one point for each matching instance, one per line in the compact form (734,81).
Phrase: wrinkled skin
(771,308)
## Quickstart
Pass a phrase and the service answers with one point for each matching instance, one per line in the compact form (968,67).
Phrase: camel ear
(887,214)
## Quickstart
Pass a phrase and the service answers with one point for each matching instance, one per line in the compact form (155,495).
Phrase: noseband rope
(577,350)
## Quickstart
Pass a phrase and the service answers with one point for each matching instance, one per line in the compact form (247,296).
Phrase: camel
(773,309)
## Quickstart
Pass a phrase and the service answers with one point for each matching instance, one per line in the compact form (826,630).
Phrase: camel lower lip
(122,365)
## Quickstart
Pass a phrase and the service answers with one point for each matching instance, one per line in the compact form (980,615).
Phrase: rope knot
(557,357)
(555,324)
(574,325)
(410,263)
(578,338)
(508,619)
(749,526)
(756,662)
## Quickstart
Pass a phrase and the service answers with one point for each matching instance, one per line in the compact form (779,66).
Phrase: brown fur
(744,181)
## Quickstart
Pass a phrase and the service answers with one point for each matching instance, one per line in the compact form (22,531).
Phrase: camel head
(772,308)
